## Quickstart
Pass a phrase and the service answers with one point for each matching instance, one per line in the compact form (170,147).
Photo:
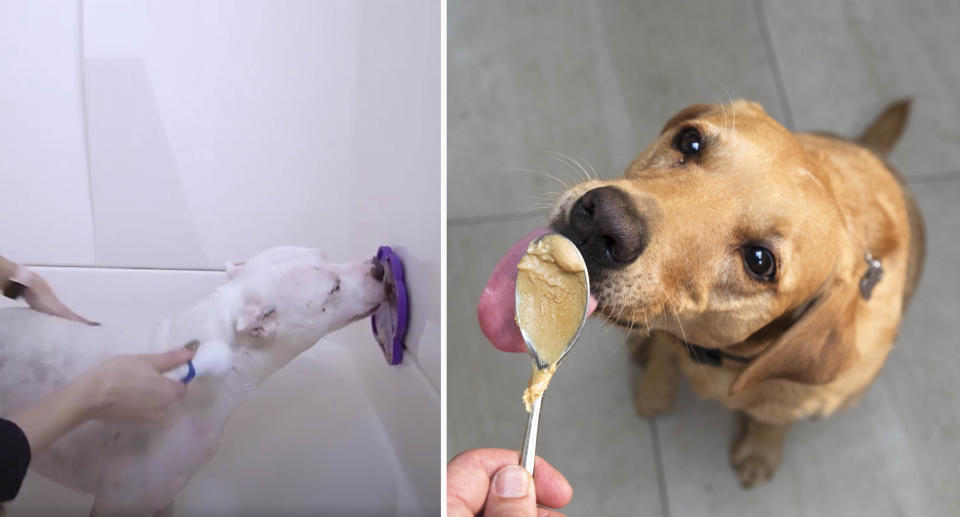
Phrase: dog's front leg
(756,452)
(657,388)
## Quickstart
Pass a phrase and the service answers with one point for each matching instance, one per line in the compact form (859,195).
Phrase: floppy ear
(815,349)
(234,269)
(755,106)
(257,320)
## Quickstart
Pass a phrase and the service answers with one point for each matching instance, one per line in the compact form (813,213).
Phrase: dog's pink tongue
(496,307)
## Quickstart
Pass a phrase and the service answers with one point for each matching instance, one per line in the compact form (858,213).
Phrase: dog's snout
(606,227)
(376,270)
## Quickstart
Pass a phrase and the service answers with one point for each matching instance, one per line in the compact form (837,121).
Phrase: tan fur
(821,203)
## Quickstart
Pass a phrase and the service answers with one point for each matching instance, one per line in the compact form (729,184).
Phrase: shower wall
(144,144)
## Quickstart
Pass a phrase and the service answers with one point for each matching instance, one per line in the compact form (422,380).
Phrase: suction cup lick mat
(390,321)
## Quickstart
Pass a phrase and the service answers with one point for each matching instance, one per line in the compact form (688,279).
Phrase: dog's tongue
(496,307)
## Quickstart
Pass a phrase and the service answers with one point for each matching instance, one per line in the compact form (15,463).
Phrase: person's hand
(133,386)
(493,481)
(39,296)
(130,387)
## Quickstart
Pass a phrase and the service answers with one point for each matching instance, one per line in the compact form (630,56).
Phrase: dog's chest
(771,401)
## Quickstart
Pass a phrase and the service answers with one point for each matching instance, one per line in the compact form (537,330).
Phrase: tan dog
(748,254)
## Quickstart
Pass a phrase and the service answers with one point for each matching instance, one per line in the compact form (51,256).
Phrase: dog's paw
(754,461)
(652,400)
(753,470)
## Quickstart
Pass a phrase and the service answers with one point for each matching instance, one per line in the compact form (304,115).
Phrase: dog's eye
(336,287)
(760,262)
(688,142)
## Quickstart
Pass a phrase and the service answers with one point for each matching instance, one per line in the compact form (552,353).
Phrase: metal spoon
(528,454)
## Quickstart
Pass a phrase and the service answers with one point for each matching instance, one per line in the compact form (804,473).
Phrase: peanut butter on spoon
(551,297)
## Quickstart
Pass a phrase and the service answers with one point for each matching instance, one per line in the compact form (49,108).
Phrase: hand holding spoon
(552,297)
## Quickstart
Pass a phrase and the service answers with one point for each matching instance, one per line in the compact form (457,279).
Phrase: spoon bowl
(544,358)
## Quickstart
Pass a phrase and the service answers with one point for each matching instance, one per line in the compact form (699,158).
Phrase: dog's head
(295,295)
(723,230)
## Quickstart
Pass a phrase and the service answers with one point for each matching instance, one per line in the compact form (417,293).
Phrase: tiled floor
(596,81)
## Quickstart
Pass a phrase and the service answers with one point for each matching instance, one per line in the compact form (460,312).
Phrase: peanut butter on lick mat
(551,301)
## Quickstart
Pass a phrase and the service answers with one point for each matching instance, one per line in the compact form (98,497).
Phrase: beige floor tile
(921,374)
(596,81)
(842,62)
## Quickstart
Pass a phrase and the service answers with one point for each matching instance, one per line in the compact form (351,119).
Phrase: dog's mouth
(614,313)
(368,313)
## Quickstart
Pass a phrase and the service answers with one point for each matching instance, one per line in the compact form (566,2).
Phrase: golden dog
(772,268)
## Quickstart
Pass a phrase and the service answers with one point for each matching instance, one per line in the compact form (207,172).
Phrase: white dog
(272,308)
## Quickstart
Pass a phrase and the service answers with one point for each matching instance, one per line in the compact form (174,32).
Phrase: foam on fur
(212,358)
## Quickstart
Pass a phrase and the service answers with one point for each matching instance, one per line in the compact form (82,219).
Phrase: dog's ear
(744,103)
(258,321)
(234,269)
(816,348)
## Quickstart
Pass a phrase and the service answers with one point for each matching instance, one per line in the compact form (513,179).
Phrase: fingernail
(94,323)
(511,482)
(192,345)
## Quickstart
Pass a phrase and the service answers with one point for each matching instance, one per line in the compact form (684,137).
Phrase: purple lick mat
(390,321)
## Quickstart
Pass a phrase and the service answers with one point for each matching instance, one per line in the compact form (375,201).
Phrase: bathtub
(310,441)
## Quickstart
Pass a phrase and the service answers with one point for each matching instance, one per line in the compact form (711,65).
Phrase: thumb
(170,360)
(511,494)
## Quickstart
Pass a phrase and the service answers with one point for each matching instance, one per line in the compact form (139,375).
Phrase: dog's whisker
(547,197)
(683,334)
(730,103)
(551,176)
(574,165)
(584,161)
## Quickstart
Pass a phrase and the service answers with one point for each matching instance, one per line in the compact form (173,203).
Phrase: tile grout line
(661,476)
(126,268)
(494,218)
(774,65)
(81,58)
(933,178)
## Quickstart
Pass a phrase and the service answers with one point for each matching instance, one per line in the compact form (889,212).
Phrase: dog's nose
(607,228)
(376,271)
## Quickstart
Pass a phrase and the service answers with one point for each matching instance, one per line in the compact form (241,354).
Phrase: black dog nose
(376,271)
(607,228)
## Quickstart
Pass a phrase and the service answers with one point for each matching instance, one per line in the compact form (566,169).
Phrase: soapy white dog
(273,307)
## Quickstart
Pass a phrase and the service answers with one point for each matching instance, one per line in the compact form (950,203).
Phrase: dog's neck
(215,318)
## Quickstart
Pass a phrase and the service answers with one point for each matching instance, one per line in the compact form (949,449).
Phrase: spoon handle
(528,455)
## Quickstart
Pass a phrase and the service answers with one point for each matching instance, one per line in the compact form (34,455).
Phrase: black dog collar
(712,356)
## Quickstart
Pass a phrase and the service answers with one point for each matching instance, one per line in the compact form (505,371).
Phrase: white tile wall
(395,182)
(45,212)
(218,129)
